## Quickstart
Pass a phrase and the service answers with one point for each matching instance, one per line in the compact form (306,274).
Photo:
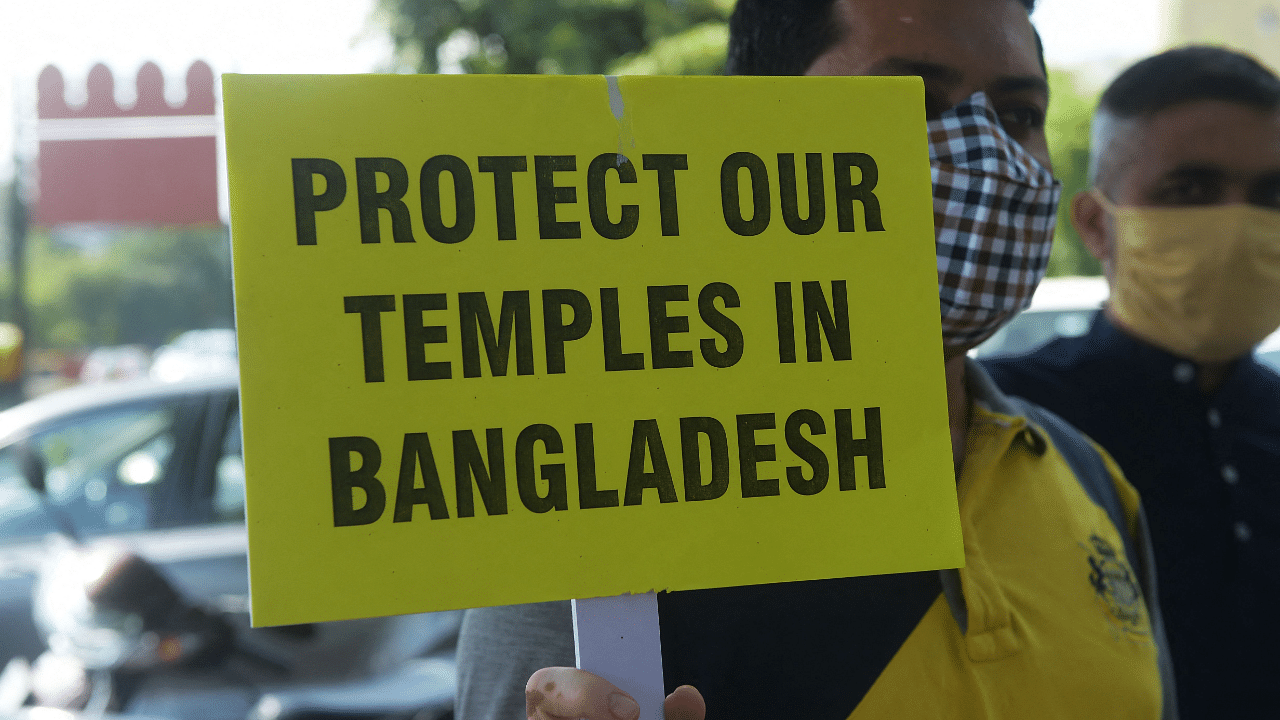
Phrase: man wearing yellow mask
(1184,215)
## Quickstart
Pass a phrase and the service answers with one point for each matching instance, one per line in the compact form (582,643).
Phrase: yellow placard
(516,339)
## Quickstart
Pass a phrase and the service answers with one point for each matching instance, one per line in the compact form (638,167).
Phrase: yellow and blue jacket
(1053,615)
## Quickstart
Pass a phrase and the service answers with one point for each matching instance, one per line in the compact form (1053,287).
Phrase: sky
(344,36)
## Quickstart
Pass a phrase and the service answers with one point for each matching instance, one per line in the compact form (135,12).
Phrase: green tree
(560,36)
(144,287)
(1067,127)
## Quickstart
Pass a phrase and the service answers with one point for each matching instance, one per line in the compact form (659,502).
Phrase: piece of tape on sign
(518,339)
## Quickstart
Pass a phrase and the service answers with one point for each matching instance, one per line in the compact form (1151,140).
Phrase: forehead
(976,39)
(1233,138)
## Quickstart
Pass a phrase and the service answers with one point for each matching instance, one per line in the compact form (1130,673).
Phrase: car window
(21,514)
(104,470)
(228,489)
(1033,328)
(1271,358)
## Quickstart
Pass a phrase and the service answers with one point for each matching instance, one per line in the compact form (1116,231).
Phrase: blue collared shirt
(1208,469)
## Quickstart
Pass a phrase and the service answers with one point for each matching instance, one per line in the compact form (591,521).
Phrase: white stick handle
(617,639)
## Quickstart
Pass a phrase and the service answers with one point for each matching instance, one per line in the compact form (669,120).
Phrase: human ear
(1089,218)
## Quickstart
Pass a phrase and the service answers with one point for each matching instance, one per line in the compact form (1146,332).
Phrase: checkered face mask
(994,210)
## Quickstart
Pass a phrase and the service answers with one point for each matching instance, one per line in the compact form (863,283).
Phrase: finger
(561,692)
(685,703)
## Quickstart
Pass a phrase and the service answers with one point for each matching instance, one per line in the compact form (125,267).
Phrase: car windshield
(103,470)
(1034,328)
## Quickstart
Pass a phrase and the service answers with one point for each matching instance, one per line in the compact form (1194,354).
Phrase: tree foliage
(1067,126)
(559,36)
(143,287)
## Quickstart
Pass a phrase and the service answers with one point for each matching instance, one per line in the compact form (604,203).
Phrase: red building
(150,164)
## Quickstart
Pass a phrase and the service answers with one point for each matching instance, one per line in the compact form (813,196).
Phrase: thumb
(685,703)
(561,692)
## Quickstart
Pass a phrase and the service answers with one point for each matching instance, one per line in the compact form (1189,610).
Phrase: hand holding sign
(559,692)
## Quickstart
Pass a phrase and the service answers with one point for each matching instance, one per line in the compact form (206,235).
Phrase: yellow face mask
(1201,282)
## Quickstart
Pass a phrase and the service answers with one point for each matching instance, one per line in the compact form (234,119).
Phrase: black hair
(784,37)
(1187,74)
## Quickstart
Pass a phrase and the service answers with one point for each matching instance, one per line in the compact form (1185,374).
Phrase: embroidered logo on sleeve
(1116,587)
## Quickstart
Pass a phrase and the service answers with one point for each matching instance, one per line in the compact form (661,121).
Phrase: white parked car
(156,467)
(1064,307)
(197,354)
(115,363)
(1269,350)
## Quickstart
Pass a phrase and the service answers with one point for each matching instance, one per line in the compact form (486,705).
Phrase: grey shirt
(500,647)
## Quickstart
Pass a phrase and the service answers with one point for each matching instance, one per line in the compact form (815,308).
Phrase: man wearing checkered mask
(1054,614)
(994,210)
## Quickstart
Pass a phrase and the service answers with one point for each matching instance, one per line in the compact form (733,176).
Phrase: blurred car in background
(115,363)
(158,467)
(49,369)
(1269,351)
(195,354)
(1064,307)
(1061,307)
